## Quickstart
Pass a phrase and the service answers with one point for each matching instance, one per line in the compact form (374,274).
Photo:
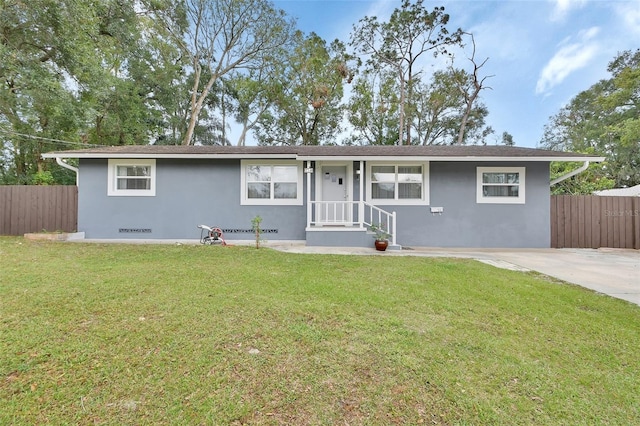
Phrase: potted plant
(381,236)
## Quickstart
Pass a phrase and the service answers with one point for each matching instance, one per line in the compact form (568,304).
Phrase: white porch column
(361,197)
(394,229)
(308,172)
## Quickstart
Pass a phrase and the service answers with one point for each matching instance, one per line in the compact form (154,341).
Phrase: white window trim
(112,187)
(245,201)
(482,199)
(399,202)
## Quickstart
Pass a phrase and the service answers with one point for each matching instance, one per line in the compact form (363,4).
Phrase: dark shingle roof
(309,152)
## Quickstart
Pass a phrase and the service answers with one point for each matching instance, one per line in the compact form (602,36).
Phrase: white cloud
(502,38)
(563,7)
(569,58)
(382,9)
(629,14)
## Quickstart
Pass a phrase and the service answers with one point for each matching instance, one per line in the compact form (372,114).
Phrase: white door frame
(348,181)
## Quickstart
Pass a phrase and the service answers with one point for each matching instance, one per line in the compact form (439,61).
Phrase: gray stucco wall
(191,192)
(188,193)
(465,223)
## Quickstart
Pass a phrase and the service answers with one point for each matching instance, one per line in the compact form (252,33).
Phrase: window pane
(501,178)
(410,169)
(285,190)
(383,190)
(134,170)
(410,174)
(285,174)
(258,174)
(383,173)
(124,183)
(410,190)
(493,178)
(500,191)
(258,190)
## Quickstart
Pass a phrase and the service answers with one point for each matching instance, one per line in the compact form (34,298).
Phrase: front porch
(347,224)
(337,214)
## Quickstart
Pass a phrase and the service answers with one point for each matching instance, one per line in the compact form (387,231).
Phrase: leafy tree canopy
(604,120)
(306,94)
(109,72)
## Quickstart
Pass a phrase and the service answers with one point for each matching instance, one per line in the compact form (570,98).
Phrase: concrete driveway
(615,272)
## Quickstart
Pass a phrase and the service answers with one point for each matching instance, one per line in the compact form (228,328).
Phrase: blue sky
(541,52)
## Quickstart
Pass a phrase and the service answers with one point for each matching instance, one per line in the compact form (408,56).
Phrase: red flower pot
(381,245)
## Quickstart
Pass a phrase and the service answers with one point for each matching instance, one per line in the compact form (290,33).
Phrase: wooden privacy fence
(26,209)
(591,221)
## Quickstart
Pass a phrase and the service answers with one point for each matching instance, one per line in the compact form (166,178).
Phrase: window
(500,185)
(399,184)
(276,183)
(132,178)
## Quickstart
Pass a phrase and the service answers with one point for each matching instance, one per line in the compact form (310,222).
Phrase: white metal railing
(351,213)
(334,213)
(382,218)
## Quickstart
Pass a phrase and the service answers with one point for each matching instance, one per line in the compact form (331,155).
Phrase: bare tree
(470,89)
(223,36)
(398,44)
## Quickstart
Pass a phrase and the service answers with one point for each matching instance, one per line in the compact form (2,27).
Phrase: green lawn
(129,334)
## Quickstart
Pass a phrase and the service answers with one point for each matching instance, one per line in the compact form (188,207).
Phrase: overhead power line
(59,141)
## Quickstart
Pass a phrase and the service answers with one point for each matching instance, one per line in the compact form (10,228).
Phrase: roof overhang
(102,155)
(294,156)
(447,158)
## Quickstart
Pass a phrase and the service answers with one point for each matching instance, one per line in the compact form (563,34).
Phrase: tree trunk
(194,111)
(401,110)
(243,136)
(408,117)
(196,106)
(465,117)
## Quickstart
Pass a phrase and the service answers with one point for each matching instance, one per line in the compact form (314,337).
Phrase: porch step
(342,237)
(338,237)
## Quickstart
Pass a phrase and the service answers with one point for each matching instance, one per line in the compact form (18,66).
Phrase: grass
(122,334)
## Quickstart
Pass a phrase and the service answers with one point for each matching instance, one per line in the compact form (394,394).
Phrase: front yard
(131,334)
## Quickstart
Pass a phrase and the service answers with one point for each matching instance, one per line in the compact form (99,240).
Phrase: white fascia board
(171,156)
(398,158)
(448,158)
(582,159)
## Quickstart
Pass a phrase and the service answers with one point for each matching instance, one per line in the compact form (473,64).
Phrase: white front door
(334,208)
